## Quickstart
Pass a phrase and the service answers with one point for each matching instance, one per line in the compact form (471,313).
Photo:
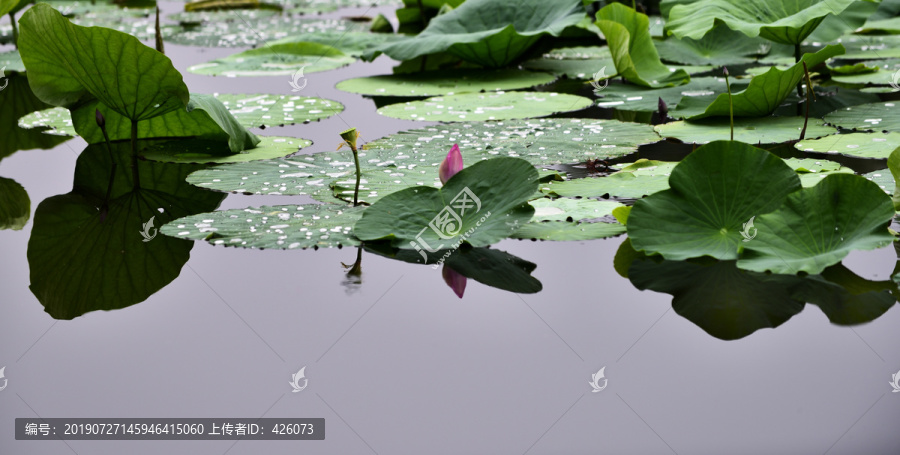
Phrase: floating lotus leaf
(867,117)
(635,98)
(486,106)
(766,130)
(252,33)
(642,179)
(860,145)
(284,227)
(15,205)
(212,152)
(276,60)
(568,231)
(434,83)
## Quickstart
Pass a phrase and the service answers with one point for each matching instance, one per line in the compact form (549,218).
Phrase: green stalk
(112,173)
(350,136)
(810,94)
(159,39)
(730,103)
(797,58)
(15,29)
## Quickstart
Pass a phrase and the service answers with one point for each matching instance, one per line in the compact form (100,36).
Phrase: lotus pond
(447,226)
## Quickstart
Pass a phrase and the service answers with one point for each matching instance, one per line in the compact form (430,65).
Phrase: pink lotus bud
(455,280)
(452,164)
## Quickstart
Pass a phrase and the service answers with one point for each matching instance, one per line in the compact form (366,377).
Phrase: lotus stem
(422,14)
(350,136)
(134,165)
(101,122)
(810,94)
(730,102)
(15,29)
(797,58)
(159,39)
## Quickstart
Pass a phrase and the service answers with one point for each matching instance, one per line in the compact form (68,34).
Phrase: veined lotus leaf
(435,83)
(488,32)
(714,192)
(486,106)
(251,33)
(628,36)
(894,167)
(765,130)
(877,72)
(870,47)
(633,181)
(482,204)
(778,21)
(276,60)
(567,231)
(764,94)
(629,97)
(565,209)
(284,227)
(69,65)
(867,117)
(861,145)
(818,226)
(721,46)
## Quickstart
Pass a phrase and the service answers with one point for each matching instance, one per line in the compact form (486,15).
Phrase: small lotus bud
(725,70)
(101,122)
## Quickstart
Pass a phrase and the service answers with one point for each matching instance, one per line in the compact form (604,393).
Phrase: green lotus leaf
(565,209)
(284,227)
(214,152)
(69,65)
(877,72)
(867,117)
(276,60)
(871,47)
(15,205)
(567,231)
(721,46)
(714,191)
(436,83)
(636,59)
(83,254)
(640,179)
(818,226)
(17,100)
(766,130)
(883,179)
(488,32)
(482,204)
(761,97)
(894,167)
(241,32)
(629,97)
(781,22)
(11,6)
(11,62)
(486,106)
(860,145)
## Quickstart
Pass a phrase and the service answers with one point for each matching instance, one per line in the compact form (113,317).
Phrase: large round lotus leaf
(890,26)
(542,142)
(486,106)
(586,69)
(564,209)
(883,179)
(377,183)
(15,205)
(280,227)
(861,145)
(251,111)
(568,231)
(812,171)
(721,46)
(488,32)
(208,152)
(867,117)
(640,179)
(353,44)
(714,191)
(251,33)
(775,20)
(276,60)
(819,226)
(197,17)
(301,174)
(434,83)
(480,205)
(634,98)
(766,130)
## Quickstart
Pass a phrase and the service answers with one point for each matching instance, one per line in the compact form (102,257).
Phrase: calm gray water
(403,366)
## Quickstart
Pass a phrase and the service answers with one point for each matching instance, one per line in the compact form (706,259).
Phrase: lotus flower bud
(455,280)
(452,164)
